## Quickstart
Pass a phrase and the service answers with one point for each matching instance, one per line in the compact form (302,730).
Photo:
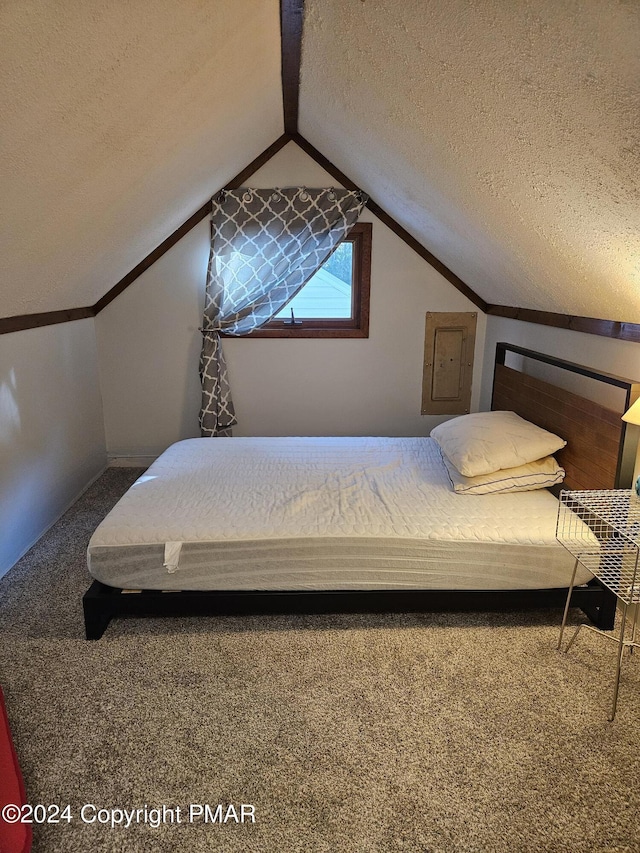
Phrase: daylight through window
(335,301)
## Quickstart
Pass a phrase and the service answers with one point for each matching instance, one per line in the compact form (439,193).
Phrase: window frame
(356,326)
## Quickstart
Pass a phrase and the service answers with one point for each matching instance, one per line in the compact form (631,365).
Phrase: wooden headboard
(600,451)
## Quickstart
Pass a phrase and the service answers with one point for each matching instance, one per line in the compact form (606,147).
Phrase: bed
(326,524)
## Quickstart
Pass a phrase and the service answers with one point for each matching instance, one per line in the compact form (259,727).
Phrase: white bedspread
(314,513)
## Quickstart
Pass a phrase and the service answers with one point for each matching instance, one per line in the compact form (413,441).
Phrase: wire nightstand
(601,529)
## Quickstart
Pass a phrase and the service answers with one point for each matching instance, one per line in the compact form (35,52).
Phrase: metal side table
(601,529)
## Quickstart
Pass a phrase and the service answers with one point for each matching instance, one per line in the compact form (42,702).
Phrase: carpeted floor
(346,733)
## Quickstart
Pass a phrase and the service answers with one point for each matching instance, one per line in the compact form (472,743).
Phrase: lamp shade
(632,415)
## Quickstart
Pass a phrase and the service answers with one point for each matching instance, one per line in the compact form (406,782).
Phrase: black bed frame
(101,602)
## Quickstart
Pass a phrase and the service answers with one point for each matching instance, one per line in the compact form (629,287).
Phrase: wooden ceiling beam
(590,325)
(291,18)
(20,322)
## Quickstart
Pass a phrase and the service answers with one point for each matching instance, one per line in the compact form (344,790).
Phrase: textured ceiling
(503,134)
(118,121)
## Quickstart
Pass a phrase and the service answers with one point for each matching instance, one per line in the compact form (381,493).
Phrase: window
(334,303)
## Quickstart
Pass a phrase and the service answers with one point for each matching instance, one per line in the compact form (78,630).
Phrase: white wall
(148,344)
(51,429)
(604,354)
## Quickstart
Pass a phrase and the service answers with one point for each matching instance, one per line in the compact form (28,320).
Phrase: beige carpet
(347,733)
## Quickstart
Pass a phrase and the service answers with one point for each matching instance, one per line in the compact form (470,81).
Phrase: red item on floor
(14,837)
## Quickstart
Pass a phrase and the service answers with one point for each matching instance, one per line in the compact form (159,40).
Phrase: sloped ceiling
(118,121)
(505,136)
(502,135)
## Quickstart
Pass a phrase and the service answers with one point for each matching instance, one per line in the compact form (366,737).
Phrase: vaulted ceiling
(502,135)
(505,136)
(118,120)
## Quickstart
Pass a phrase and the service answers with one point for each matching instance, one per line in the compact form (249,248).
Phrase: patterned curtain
(265,246)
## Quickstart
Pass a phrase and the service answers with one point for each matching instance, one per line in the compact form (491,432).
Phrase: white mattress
(322,513)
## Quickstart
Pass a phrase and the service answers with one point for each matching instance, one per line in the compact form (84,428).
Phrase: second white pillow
(525,478)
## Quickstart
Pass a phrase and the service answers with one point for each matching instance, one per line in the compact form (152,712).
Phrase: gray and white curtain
(265,246)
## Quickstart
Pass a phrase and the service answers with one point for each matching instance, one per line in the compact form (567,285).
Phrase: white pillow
(525,478)
(485,442)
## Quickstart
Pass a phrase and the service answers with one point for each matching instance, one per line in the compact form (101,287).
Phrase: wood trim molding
(291,18)
(391,223)
(46,318)
(591,325)
(594,326)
